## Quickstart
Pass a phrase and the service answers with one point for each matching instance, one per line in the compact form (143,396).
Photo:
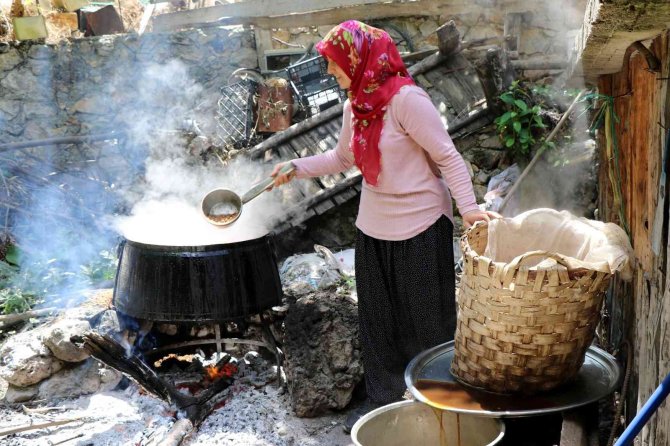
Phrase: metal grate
(235,115)
(316,89)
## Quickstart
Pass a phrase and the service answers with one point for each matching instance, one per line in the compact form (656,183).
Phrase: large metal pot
(414,423)
(197,283)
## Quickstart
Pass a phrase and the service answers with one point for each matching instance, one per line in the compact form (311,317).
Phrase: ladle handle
(260,187)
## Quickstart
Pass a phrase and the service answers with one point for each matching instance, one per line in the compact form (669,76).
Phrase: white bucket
(414,423)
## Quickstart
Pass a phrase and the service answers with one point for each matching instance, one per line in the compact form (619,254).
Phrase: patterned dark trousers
(406,303)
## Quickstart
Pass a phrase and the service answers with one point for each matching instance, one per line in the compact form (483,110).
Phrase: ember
(214,373)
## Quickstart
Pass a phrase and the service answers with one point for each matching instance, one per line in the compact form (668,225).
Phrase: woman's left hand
(472,217)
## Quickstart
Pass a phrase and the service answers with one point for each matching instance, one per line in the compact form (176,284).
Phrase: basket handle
(513,266)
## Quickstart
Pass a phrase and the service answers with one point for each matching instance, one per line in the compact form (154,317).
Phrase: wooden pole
(540,151)
(180,429)
(10,319)
(29,427)
(540,63)
(77,139)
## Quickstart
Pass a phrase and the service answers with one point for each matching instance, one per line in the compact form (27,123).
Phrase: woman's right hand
(281,179)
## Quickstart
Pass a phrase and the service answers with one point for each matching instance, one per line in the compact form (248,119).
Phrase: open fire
(214,373)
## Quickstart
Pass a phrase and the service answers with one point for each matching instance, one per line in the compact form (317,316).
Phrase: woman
(404,255)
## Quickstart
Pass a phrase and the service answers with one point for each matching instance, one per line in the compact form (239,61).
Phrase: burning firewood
(196,408)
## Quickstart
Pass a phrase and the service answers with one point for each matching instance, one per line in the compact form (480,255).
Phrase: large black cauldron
(197,283)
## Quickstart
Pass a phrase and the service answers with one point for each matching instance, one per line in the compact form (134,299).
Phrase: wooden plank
(297,190)
(255,8)
(338,199)
(512,30)
(364,10)
(146,16)
(323,206)
(348,194)
(295,130)
(640,312)
(263,43)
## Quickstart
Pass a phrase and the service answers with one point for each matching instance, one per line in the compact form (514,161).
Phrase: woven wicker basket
(522,329)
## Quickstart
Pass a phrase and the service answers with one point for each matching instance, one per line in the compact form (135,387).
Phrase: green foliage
(101,269)
(14,300)
(521,124)
(22,288)
(12,255)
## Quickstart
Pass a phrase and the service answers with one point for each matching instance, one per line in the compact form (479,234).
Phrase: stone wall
(546,28)
(96,85)
(108,83)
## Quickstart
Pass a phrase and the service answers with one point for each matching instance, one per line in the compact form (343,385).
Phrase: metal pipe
(652,404)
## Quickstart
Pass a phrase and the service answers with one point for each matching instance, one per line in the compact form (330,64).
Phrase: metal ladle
(222,207)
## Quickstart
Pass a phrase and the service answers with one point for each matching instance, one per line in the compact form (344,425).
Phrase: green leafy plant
(15,300)
(521,124)
(101,269)
(23,287)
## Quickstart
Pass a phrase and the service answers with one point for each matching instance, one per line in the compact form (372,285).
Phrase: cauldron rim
(197,248)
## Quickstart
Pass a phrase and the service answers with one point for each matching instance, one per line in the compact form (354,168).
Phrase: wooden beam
(512,30)
(260,8)
(369,11)
(146,16)
(541,63)
(263,43)
(76,139)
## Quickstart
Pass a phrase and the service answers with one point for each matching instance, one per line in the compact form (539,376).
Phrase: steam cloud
(155,193)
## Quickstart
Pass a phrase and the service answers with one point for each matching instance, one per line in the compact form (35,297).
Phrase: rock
(17,82)
(323,358)
(244,57)
(35,130)
(3,388)
(282,34)
(40,110)
(57,338)
(84,379)
(10,60)
(9,109)
(306,39)
(199,145)
(168,329)
(480,191)
(109,323)
(482,178)
(491,142)
(41,52)
(323,30)
(470,167)
(428,27)
(20,394)
(486,159)
(298,30)
(25,360)
(90,105)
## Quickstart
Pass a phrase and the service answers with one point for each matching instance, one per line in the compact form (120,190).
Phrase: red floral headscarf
(372,61)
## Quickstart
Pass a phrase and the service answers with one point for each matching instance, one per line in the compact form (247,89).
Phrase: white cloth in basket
(583,243)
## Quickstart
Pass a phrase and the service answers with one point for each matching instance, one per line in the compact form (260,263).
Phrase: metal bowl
(219,198)
(413,423)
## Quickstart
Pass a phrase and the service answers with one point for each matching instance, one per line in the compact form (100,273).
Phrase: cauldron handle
(119,255)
